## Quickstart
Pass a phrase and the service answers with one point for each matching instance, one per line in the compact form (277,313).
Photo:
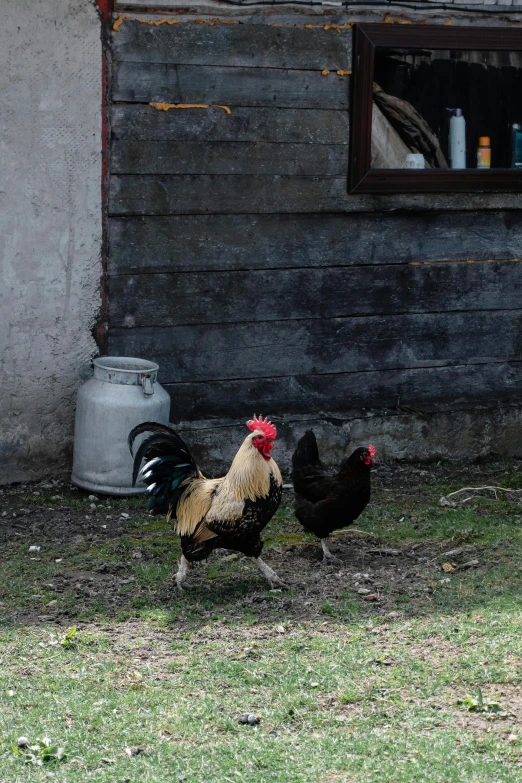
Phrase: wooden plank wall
(240,263)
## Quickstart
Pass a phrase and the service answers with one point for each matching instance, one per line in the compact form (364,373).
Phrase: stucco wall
(50,225)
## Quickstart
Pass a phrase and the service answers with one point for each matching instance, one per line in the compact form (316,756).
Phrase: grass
(152,684)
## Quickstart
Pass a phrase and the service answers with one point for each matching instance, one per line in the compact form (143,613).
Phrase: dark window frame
(364,179)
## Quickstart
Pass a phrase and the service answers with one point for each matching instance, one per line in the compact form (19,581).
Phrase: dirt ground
(385,649)
(115,537)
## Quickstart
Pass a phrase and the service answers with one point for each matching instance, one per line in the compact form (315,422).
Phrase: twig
(456,552)
(469,564)
(490,488)
(514,494)
(354,530)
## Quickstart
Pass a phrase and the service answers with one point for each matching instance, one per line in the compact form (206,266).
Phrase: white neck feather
(249,474)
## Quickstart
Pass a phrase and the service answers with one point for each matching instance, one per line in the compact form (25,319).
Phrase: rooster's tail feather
(306,452)
(169,464)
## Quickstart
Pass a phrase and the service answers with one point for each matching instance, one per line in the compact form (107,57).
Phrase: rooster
(227,512)
(329,501)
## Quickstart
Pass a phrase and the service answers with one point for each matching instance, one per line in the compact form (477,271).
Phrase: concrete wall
(50,225)
(427,436)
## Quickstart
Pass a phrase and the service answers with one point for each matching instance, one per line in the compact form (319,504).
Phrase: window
(436,109)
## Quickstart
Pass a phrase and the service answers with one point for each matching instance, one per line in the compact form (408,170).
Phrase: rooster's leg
(327,555)
(271,576)
(182,572)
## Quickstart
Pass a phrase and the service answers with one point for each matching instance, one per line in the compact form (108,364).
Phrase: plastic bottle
(516,145)
(484,153)
(457,139)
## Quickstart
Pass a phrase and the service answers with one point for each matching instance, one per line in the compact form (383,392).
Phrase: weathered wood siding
(240,263)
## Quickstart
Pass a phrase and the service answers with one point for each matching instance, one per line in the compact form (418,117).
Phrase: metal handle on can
(147,384)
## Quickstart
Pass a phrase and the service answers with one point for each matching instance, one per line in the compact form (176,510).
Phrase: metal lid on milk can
(127,371)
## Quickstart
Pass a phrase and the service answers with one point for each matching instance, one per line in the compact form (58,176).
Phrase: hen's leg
(271,576)
(182,572)
(327,555)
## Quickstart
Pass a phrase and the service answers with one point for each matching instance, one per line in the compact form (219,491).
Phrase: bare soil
(379,577)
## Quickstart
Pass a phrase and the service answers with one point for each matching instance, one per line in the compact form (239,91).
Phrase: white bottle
(457,140)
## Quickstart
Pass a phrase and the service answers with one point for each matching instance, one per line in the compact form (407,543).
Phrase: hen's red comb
(266,427)
(371,451)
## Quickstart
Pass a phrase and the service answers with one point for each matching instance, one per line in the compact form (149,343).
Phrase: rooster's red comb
(371,450)
(266,427)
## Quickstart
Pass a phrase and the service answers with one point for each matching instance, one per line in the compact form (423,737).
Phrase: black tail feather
(306,452)
(163,444)
(149,426)
(168,463)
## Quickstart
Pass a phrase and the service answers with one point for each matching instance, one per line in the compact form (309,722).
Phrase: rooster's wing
(238,518)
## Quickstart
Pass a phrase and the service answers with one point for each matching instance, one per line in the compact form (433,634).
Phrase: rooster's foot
(271,576)
(182,573)
(328,557)
(173,584)
(278,584)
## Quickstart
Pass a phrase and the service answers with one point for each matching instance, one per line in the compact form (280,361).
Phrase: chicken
(327,501)
(227,512)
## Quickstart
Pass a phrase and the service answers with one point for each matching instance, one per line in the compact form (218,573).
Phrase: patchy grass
(390,668)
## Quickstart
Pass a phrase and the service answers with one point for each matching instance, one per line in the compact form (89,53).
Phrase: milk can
(124,392)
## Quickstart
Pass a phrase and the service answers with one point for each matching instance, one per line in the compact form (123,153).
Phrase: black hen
(326,501)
